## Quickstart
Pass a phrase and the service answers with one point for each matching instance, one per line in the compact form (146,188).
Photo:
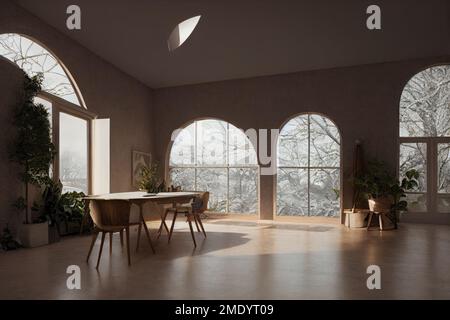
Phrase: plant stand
(380,215)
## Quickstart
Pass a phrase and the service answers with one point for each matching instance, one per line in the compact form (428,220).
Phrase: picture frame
(139,159)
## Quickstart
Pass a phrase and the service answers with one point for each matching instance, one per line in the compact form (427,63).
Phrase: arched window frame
(427,199)
(59,105)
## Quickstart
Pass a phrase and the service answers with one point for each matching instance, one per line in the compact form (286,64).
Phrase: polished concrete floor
(242,260)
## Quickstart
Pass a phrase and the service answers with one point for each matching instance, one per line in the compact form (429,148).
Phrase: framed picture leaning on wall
(139,160)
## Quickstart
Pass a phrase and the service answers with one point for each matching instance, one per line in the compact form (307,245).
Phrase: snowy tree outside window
(33,58)
(308,174)
(425,138)
(215,156)
(425,104)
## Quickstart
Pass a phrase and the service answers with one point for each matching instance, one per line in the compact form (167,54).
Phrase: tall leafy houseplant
(398,191)
(32,147)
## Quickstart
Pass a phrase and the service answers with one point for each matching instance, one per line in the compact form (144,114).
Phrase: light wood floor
(242,260)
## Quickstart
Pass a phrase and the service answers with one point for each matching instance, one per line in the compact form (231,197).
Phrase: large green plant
(73,206)
(50,208)
(32,147)
(398,191)
(378,182)
(150,179)
(58,207)
(7,241)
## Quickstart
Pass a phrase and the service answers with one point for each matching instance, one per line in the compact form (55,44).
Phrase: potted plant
(150,180)
(49,210)
(33,150)
(71,206)
(7,240)
(383,191)
(398,191)
(376,186)
(63,211)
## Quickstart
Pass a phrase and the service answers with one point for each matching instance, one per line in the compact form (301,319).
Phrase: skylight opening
(182,32)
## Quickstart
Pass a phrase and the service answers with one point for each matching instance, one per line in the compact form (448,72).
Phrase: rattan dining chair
(111,216)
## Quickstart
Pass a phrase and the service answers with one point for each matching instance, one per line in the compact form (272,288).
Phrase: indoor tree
(32,147)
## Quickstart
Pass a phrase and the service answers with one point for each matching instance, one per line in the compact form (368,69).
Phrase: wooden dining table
(140,198)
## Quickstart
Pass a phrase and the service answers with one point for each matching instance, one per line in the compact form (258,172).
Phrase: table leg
(145,227)
(127,233)
(139,236)
(163,224)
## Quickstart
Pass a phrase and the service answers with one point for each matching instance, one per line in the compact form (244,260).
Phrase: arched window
(425,138)
(215,156)
(33,58)
(308,174)
(70,123)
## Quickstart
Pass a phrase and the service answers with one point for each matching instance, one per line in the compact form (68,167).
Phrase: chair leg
(101,249)
(192,232)
(138,236)
(380,220)
(370,220)
(127,232)
(197,216)
(121,238)
(196,223)
(94,238)
(171,227)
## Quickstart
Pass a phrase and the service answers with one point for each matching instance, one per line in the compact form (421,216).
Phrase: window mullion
(309,164)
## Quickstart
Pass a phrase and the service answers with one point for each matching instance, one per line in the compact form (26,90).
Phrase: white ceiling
(247,38)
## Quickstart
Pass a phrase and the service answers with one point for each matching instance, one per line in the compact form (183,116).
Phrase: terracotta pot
(381,204)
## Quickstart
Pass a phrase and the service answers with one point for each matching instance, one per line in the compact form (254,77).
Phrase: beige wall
(363,101)
(107,91)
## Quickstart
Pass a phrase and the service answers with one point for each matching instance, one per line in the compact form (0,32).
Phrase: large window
(308,175)
(215,156)
(33,58)
(70,123)
(73,153)
(425,138)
